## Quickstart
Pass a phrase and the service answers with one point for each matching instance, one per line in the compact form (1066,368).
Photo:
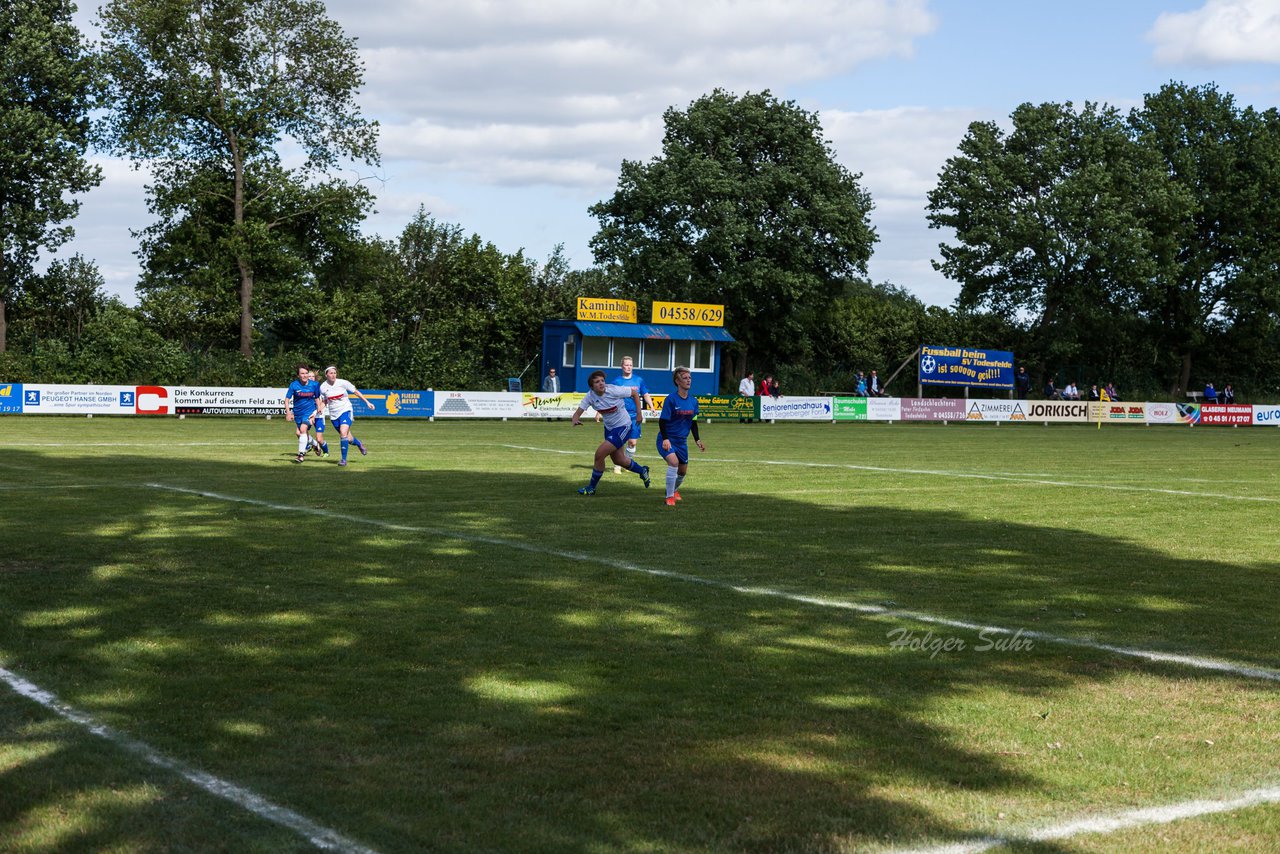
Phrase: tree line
(1098,246)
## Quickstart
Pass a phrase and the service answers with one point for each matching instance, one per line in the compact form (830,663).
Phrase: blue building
(575,348)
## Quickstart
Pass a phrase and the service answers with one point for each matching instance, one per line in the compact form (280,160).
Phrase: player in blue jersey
(607,400)
(301,407)
(627,378)
(678,419)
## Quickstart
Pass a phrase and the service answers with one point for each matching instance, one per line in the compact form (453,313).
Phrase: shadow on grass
(415,690)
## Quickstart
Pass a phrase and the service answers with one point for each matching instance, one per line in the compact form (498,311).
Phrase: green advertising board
(849,408)
(725,407)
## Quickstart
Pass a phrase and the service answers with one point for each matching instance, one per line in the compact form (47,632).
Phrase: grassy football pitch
(845,638)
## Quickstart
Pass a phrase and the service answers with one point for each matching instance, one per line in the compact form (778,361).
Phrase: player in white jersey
(607,400)
(318,444)
(335,395)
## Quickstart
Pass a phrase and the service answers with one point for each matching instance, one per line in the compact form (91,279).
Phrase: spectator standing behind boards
(1112,394)
(1093,392)
(1210,393)
(873,385)
(1051,391)
(1023,383)
(769,386)
(860,385)
(1228,394)
(747,388)
(551,382)
(1070,392)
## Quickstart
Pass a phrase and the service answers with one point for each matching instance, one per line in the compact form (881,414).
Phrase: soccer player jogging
(336,395)
(318,444)
(678,419)
(607,401)
(300,407)
(628,379)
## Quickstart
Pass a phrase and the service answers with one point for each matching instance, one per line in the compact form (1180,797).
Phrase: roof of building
(667,331)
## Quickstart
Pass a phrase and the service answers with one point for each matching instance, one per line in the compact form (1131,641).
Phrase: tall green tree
(1219,255)
(216,87)
(60,302)
(1052,227)
(747,207)
(189,255)
(45,87)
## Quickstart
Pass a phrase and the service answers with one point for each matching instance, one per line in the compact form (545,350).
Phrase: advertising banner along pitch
(966,366)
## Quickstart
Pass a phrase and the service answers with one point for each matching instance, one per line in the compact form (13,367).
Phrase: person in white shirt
(747,388)
(335,394)
(607,401)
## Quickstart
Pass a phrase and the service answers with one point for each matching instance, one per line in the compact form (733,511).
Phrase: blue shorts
(344,418)
(616,436)
(319,423)
(679,447)
(635,430)
(302,420)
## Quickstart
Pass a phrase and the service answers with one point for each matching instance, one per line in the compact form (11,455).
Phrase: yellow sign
(688,314)
(617,310)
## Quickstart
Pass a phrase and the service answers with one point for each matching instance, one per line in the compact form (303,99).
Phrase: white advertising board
(86,399)
(795,408)
(1267,416)
(479,404)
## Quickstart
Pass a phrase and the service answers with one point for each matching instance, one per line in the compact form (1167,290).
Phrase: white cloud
(557,62)
(900,153)
(1220,32)
(107,213)
(542,100)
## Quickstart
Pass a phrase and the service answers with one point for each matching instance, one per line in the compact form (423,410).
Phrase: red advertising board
(1222,413)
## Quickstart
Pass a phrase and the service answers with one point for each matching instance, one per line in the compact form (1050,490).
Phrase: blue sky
(511,117)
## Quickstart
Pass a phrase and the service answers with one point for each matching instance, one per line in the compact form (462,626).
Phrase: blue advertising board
(398,403)
(10,397)
(966,366)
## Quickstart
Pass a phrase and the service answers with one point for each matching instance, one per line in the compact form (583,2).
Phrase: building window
(625,347)
(657,355)
(702,355)
(595,352)
(568,359)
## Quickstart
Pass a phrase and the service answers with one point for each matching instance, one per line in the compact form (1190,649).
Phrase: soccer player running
(336,394)
(627,378)
(318,444)
(300,407)
(678,419)
(607,401)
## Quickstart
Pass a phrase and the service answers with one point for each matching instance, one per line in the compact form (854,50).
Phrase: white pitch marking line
(133,444)
(1191,661)
(1112,822)
(23,487)
(317,835)
(957,474)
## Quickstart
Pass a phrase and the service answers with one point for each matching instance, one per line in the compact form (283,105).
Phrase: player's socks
(679,480)
(304,444)
(634,466)
(595,477)
(345,445)
(672,479)
(364,452)
(324,446)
